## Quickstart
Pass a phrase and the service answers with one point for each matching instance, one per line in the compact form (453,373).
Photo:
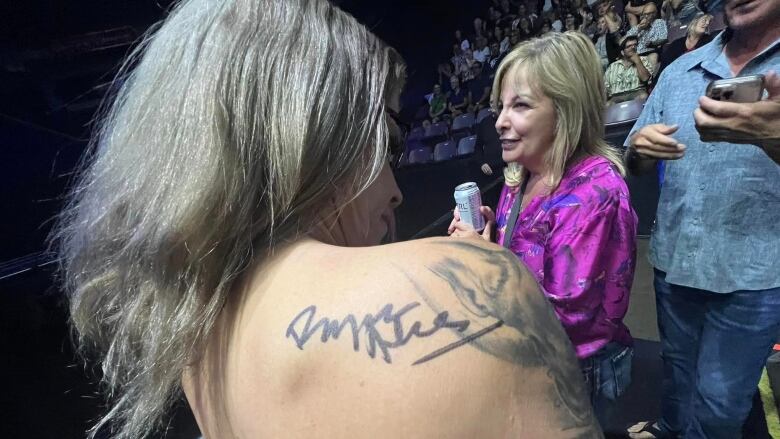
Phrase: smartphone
(740,89)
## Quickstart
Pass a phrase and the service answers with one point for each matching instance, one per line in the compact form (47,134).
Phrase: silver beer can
(469,200)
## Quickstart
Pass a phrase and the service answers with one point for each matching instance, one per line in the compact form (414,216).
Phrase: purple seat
(420,156)
(436,133)
(483,113)
(718,23)
(416,133)
(463,122)
(466,146)
(677,32)
(444,151)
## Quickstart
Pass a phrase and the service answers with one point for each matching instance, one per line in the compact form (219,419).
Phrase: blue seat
(483,113)
(436,133)
(466,146)
(420,156)
(444,151)
(462,126)
(416,133)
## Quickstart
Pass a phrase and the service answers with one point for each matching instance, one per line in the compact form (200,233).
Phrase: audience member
(545,28)
(438,103)
(495,59)
(482,52)
(696,37)
(555,18)
(681,11)
(479,27)
(606,9)
(459,61)
(461,40)
(565,209)
(651,31)
(570,22)
(479,89)
(458,99)
(633,9)
(445,72)
(714,246)
(627,78)
(607,44)
(524,29)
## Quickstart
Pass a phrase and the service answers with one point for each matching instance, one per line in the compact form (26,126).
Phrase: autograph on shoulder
(302,328)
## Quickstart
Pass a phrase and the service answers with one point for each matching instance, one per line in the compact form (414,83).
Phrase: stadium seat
(629,111)
(718,23)
(462,126)
(416,133)
(436,133)
(483,113)
(466,146)
(677,32)
(420,156)
(444,151)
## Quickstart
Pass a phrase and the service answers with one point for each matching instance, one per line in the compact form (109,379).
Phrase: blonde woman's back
(428,338)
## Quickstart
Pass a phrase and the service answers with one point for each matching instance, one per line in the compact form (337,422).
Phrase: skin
(754,28)
(698,29)
(428,338)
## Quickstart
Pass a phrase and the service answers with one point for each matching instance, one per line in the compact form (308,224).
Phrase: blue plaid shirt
(718,221)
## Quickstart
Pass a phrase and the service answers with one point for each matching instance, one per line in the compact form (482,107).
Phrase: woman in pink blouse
(573,223)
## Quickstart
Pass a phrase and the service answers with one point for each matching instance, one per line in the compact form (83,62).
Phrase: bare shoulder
(433,337)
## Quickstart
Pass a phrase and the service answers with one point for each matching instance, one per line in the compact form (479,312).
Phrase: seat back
(483,113)
(444,151)
(463,122)
(420,155)
(467,145)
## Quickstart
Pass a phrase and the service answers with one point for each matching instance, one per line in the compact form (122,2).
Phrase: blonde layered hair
(566,68)
(238,122)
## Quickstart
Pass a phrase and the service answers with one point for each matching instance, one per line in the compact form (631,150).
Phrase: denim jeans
(607,375)
(713,348)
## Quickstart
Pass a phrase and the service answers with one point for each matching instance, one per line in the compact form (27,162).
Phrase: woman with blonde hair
(220,244)
(696,36)
(565,209)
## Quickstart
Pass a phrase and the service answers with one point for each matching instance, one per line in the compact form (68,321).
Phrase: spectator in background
(479,89)
(587,23)
(651,32)
(627,78)
(458,99)
(570,23)
(438,104)
(607,43)
(461,40)
(503,42)
(606,9)
(479,27)
(495,59)
(459,62)
(525,29)
(545,28)
(445,72)
(681,11)
(696,37)
(574,226)
(482,52)
(555,18)
(633,9)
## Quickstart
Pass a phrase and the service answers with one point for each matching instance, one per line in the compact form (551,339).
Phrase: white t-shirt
(482,55)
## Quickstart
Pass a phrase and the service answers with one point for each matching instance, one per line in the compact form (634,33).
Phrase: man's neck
(745,44)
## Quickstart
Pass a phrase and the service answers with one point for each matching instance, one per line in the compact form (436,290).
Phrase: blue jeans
(607,376)
(713,347)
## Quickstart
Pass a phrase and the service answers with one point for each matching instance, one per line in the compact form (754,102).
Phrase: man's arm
(641,69)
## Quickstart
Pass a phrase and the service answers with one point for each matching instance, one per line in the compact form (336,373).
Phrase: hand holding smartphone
(742,89)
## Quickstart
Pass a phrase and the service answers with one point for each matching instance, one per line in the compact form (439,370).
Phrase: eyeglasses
(396,139)
(647,15)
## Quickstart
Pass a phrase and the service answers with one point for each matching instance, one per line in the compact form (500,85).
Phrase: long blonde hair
(566,68)
(236,121)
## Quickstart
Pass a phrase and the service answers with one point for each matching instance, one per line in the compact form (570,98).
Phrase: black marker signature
(333,328)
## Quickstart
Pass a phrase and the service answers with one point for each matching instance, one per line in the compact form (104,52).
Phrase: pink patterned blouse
(580,243)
